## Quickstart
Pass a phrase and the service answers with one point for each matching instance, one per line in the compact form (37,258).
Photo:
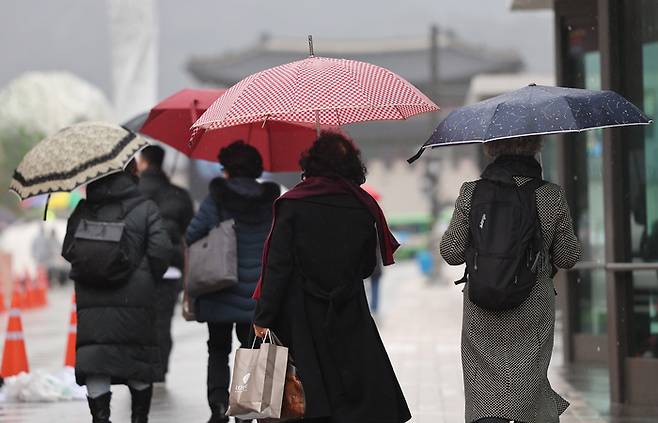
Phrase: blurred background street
(420,324)
(69,61)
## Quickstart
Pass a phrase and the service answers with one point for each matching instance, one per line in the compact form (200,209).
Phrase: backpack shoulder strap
(529,189)
(533,184)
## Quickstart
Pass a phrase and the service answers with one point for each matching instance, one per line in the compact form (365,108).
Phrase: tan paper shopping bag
(257,383)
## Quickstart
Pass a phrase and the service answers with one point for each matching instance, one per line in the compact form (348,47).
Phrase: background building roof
(458,63)
(531,4)
(409,57)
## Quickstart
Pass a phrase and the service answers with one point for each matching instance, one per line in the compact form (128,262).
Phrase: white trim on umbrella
(562,131)
(276,115)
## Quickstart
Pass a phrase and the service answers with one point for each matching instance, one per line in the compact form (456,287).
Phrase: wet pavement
(420,324)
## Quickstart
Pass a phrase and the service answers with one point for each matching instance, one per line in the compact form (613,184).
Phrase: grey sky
(73,34)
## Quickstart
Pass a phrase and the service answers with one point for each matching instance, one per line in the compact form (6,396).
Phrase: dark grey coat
(116,327)
(314,299)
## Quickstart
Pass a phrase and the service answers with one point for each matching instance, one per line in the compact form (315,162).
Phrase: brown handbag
(294,399)
(293,406)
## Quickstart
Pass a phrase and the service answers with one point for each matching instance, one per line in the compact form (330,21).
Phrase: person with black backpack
(118,250)
(238,197)
(513,230)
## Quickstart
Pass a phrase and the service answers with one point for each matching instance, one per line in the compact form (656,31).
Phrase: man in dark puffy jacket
(241,197)
(176,210)
(116,338)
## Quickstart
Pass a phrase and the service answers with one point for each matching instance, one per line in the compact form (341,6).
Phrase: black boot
(100,408)
(218,414)
(141,404)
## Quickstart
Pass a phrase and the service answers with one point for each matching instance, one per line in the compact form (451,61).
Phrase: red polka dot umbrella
(316,90)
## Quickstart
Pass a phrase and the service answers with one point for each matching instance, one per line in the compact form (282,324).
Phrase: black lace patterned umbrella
(534,110)
(74,156)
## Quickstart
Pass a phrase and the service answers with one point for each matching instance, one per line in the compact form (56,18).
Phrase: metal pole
(310,46)
(434,160)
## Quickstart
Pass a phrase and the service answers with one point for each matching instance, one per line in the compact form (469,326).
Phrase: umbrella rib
(560,131)
(493,115)
(356,82)
(566,99)
(399,111)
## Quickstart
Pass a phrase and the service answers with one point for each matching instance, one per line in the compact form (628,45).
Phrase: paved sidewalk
(420,324)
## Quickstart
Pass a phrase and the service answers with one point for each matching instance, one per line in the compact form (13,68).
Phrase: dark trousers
(219,347)
(167,296)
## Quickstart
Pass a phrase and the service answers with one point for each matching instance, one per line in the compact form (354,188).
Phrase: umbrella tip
(310,46)
(532,85)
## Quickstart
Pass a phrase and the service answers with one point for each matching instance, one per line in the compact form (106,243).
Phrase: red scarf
(318,185)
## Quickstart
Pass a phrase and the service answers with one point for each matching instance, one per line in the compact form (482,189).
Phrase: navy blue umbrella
(534,110)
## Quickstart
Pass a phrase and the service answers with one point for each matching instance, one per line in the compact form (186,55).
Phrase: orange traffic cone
(20,290)
(32,296)
(42,287)
(3,307)
(69,360)
(14,358)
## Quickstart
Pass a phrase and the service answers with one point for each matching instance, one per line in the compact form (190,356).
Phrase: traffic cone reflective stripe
(69,359)
(14,336)
(14,357)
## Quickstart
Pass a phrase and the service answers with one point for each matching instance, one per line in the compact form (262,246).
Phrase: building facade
(610,300)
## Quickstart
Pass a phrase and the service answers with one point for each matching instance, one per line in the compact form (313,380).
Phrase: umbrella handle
(310,46)
(416,156)
(45,209)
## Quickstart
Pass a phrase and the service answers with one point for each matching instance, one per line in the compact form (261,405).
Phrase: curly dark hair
(241,160)
(332,154)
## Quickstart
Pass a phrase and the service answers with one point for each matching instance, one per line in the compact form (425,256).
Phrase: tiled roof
(409,58)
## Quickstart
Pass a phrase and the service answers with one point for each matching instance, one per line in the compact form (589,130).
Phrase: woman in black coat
(116,339)
(322,246)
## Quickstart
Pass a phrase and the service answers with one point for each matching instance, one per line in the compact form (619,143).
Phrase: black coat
(175,206)
(313,298)
(116,327)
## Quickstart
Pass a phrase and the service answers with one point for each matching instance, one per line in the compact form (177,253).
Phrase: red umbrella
(317,90)
(279,143)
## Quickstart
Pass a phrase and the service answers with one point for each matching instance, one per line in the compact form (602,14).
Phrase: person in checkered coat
(505,355)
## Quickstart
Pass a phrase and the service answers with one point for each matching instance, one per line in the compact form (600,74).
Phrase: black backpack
(506,244)
(98,253)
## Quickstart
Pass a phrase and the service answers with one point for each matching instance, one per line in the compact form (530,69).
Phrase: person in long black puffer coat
(116,339)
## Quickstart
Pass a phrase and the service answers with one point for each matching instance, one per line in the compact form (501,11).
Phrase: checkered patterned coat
(505,355)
